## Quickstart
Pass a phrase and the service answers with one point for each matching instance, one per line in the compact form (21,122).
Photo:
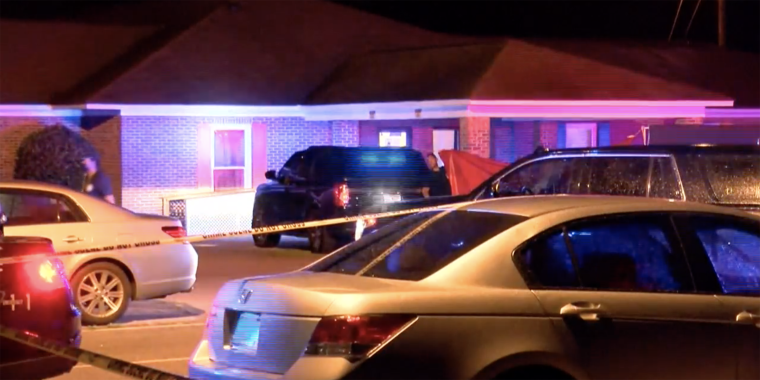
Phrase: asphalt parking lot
(163,333)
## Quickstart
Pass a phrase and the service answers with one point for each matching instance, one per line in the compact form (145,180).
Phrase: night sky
(601,19)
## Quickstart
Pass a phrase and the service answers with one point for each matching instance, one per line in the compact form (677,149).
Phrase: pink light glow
(591,112)
(615,103)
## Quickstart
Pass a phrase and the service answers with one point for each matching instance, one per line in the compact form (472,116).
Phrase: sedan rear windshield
(417,246)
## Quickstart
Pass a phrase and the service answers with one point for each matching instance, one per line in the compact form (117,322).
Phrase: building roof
(519,70)
(263,53)
(273,53)
(41,59)
(734,73)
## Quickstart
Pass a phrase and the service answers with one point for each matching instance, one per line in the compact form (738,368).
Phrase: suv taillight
(46,275)
(354,337)
(341,195)
(175,231)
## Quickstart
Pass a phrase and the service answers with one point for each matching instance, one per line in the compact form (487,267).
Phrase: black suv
(721,175)
(325,182)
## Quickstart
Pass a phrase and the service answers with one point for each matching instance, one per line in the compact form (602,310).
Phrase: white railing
(212,212)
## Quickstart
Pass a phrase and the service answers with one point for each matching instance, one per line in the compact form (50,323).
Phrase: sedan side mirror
(270,174)
(495,188)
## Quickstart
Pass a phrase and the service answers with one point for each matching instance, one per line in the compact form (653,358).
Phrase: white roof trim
(199,110)
(37,110)
(733,113)
(428,109)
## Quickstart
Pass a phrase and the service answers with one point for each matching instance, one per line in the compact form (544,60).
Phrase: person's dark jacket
(439,183)
(98,186)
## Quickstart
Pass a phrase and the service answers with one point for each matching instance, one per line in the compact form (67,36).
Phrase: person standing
(96,183)
(439,184)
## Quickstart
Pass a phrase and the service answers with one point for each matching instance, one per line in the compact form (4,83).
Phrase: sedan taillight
(47,274)
(354,337)
(175,231)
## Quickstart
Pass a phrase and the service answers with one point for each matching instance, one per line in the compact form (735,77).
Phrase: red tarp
(467,171)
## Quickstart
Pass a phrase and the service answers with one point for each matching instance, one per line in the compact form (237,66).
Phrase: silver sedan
(104,283)
(560,287)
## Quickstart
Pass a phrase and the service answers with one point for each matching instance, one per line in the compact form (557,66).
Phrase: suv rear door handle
(588,311)
(72,239)
(748,318)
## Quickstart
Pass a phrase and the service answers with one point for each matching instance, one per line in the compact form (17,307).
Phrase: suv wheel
(267,240)
(320,240)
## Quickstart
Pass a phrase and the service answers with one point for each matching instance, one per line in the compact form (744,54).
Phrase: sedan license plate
(391,198)
(245,339)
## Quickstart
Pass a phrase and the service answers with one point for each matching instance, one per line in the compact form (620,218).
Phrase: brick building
(217,98)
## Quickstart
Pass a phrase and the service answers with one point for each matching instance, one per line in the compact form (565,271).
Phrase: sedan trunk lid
(265,323)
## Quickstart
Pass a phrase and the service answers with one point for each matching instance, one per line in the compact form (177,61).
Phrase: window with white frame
(393,138)
(231,157)
(580,135)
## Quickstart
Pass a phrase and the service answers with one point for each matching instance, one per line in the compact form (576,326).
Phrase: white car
(103,282)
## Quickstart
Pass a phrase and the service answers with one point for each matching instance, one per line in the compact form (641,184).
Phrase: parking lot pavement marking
(86,357)
(143,327)
(147,361)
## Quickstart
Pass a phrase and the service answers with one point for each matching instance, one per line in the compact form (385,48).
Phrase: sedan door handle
(72,239)
(587,311)
(748,318)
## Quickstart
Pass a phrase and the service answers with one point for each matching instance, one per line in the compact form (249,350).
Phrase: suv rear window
(417,246)
(372,163)
(734,178)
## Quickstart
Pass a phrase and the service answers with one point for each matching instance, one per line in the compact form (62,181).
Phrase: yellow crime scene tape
(87,357)
(253,231)
(142,372)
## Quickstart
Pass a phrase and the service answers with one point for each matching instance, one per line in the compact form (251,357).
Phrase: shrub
(53,155)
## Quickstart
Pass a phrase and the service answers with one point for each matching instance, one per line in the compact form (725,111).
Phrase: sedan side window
(31,208)
(626,253)
(734,251)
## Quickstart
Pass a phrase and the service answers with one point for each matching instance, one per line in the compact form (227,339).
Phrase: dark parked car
(35,296)
(720,175)
(325,182)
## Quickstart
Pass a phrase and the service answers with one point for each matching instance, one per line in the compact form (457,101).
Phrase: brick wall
(475,135)
(527,138)
(548,130)
(286,136)
(511,140)
(422,139)
(368,134)
(345,132)
(159,158)
(160,155)
(621,129)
